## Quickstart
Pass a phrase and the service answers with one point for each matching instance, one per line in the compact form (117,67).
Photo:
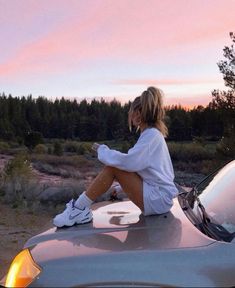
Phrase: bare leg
(131,183)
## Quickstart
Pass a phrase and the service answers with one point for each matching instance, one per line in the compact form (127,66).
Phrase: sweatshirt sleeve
(135,160)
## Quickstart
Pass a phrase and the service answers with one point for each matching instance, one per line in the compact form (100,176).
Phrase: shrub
(20,140)
(226,146)
(189,152)
(18,166)
(204,167)
(4,146)
(17,175)
(76,147)
(32,139)
(75,161)
(40,149)
(199,140)
(84,148)
(50,150)
(14,144)
(71,146)
(58,150)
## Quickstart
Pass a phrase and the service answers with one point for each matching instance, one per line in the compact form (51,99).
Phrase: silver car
(192,245)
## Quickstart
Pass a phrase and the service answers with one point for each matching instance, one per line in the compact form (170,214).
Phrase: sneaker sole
(75,223)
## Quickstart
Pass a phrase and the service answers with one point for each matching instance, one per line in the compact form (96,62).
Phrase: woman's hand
(95,147)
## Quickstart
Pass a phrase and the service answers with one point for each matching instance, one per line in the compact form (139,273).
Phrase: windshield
(217,195)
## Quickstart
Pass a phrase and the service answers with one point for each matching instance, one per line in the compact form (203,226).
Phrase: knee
(111,169)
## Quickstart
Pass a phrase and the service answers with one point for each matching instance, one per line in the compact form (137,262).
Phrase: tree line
(97,120)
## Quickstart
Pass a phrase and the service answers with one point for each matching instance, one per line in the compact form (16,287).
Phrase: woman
(145,173)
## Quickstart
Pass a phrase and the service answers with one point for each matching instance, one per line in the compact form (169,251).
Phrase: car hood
(119,226)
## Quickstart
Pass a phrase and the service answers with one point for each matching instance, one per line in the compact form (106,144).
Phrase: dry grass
(189,152)
(72,166)
(16,226)
(75,161)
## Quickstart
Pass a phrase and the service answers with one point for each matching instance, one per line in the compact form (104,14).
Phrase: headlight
(23,270)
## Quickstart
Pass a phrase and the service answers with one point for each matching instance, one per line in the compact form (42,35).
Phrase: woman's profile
(145,173)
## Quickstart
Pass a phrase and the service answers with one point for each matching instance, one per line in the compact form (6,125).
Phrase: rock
(60,194)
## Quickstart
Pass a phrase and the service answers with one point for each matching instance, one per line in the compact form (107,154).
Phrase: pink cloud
(65,47)
(126,30)
(170,81)
(189,102)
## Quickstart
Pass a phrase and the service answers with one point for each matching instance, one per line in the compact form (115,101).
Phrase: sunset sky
(114,48)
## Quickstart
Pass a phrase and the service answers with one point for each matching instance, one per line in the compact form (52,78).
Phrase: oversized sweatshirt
(149,158)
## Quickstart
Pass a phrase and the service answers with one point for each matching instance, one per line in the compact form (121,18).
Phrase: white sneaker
(72,215)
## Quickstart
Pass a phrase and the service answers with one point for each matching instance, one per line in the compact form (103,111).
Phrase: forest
(97,120)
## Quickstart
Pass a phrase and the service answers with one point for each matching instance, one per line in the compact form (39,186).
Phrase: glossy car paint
(122,247)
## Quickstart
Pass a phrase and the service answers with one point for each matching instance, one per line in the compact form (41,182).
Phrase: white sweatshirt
(149,158)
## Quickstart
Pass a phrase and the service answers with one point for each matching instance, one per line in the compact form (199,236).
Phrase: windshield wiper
(193,197)
(211,229)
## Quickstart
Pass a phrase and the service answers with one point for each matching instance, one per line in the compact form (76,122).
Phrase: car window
(217,195)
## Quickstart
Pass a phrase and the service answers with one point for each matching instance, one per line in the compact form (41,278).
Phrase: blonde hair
(150,106)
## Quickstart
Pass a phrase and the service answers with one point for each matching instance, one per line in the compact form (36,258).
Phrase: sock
(118,188)
(83,201)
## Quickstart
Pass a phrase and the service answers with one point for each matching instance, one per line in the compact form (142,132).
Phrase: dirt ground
(16,226)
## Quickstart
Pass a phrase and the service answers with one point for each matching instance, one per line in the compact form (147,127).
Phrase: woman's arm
(136,159)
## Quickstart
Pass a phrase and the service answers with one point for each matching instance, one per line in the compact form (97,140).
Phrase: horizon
(66,48)
(99,99)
